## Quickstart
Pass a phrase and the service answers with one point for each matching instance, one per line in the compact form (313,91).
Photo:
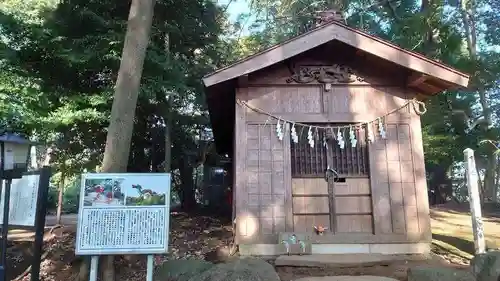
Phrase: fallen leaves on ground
(191,237)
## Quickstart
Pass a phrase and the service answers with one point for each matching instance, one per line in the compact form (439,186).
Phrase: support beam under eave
(416,79)
(243,81)
(432,90)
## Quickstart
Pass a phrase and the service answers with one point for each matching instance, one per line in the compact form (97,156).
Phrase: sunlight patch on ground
(455,229)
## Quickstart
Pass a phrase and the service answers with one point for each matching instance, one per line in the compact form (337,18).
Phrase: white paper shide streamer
(279,130)
(340,139)
(325,143)
(352,137)
(310,137)
(293,132)
(371,136)
(381,129)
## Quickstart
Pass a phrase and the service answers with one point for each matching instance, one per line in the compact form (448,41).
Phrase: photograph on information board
(139,194)
(128,190)
(104,191)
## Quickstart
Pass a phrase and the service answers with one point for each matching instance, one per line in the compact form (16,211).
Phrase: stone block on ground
(431,273)
(341,260)
(247,269)
(180,270)
(347,278)
(486,267)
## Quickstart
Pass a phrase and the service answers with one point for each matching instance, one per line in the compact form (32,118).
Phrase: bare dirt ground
(199,236)
(452,225)
(192,236)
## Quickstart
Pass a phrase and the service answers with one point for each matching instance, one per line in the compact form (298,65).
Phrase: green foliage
(59,62)
(70,196)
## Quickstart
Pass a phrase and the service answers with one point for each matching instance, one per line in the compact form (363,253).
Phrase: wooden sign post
(474,200)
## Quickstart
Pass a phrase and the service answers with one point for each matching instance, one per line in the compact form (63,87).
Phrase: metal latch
(330,172)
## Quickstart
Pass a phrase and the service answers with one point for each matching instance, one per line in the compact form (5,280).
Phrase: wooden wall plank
(395,186)
(353,205)
(407,179)
(268,185)
(379,184)
(353,186)
(306,223)
(309,186)
(355,223)
(420,179)
(287,99)
(298,186)
(310,103)
(240,175)
(310,205)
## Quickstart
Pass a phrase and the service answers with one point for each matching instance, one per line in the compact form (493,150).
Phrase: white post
(94,261)
(474,200)
(149,268)
(33,159)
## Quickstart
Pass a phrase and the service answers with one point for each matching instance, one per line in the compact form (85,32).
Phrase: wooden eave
(425,76)
(425,69)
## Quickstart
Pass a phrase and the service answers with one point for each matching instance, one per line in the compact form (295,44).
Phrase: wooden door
(349,196)
(343,203)
(331,176)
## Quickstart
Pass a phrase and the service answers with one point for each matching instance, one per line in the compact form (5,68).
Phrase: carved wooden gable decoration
(326,74)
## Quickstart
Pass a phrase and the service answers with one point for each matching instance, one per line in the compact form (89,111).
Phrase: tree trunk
(48,156)
(482,191)
(497,181)
(427,36)
(167,117)
(61,192)
(490,177)
(168,138)
(468,12)
(187,189)
(127,86)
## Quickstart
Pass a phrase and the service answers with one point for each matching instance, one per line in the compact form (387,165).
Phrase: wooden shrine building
(324,131)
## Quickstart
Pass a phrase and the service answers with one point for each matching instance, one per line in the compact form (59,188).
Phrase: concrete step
(344,260)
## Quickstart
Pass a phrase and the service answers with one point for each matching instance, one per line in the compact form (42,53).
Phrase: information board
(23,200)
(123,213)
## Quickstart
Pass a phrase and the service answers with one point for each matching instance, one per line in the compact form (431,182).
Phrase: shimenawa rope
(418,107)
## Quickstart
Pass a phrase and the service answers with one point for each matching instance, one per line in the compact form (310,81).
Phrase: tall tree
(121,125)
(468,11)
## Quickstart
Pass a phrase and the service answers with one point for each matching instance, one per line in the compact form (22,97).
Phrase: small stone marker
(431,273)
(474,200)
(486,267)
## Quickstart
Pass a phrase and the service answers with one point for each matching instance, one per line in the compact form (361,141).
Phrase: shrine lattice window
(311,162)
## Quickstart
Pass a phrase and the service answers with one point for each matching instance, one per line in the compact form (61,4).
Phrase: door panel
(350,200)
(310,204)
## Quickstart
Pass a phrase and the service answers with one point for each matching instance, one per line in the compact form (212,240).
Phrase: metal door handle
(329,171)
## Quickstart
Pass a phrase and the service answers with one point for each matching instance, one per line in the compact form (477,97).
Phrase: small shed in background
(217,184)
(324,131)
